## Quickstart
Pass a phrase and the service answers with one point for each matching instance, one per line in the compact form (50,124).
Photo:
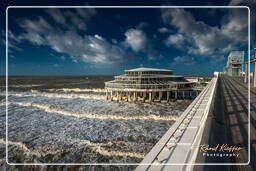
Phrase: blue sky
(85,41)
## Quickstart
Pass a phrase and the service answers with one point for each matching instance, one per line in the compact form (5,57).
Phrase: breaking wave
(97,149)
(95,90)
(57,125)
(50,109)
(56,95)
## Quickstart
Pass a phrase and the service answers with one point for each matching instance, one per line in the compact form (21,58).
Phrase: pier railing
(180,143)
(156,85)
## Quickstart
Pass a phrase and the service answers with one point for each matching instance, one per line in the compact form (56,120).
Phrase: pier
(150,85)
(219,115)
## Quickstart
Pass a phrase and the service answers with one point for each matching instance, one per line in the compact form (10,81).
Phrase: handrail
(152,155)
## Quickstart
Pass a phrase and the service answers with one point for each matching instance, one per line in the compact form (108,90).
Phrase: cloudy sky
(80,41)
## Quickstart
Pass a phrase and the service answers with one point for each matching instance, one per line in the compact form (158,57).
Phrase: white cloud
(86,13)
(176,40)
(76,20)
(56,65)
(12,42)
(183,60)
(235,2)
(136,39)
(203,39)
(56,14)
(142,25)
(92,49)
(164,30)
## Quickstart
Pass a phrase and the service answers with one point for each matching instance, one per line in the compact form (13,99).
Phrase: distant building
(235,63)
(148,84)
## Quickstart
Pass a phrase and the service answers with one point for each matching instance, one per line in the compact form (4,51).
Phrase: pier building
(150,84)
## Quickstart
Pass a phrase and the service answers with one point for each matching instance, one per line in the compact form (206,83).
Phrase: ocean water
(67,119)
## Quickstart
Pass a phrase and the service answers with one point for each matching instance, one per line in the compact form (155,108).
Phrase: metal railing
(156,85)
(179,126)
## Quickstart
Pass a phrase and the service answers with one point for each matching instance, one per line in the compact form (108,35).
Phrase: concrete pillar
(120,96)
(129,96)
(150,96)
(183,94)
(107,95)
(160,95)
(168,96)
(111,95)
(176,94)
(117,96)
(153,96)
(126,96)
(144,96)
(134,96)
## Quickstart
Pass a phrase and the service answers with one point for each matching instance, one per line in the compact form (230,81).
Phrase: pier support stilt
(126,96)
(168,96)
(160,95)
(144,96)
(107,95)
(153,96)
(111,95)
(134,96)
(150,97)
(129,96)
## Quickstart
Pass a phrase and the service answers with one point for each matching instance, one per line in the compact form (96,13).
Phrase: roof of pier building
(146,69)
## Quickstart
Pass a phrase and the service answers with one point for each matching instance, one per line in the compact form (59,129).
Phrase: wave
(98,149)
(57,95)
(94,90)
(51,109)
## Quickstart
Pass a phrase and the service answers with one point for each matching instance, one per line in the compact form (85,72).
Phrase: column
(183,94)
(153,96)
(160,95)
(168,96)
(175,94)
(144,96)
(107,94)
(111,95)
(150,97)
(117,96)
(129,96)
(134,96)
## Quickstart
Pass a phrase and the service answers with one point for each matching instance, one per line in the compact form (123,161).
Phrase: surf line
(51,109)
(100,150)
(56,95)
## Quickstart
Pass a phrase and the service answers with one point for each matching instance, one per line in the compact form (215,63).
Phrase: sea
(67,119)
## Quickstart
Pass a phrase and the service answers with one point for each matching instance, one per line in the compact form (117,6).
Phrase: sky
(106,41)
